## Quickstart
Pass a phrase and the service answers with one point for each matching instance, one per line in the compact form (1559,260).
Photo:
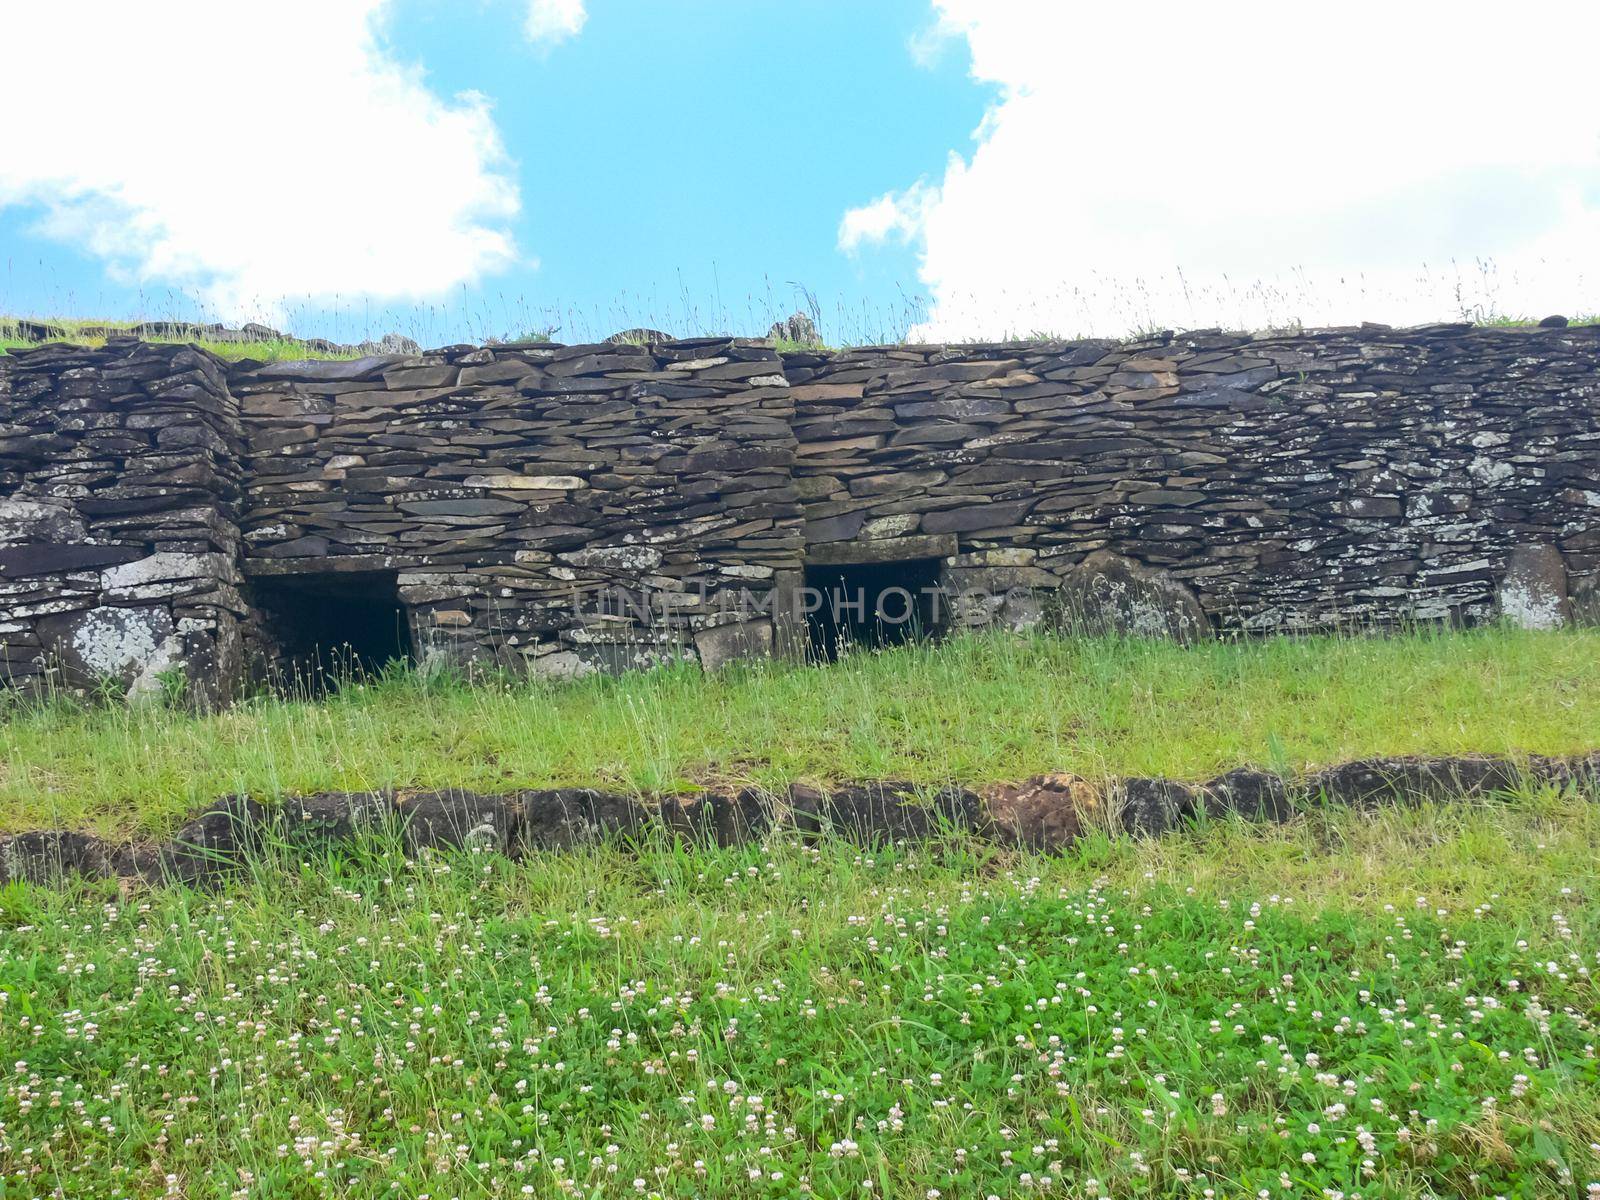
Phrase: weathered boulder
(326,819)
(1533,590)
(724,644)
(457,820)
(1586,601)
(1107,594)
(1044,813)
(128,647)
(218,841)
(559,818)
(1152,807)
(719,818)
(1253,794)
(1579,772)
(1372,781)
(1019,610)
(50,855)
(797,328)
(879,812)
(391,343)
(561,665)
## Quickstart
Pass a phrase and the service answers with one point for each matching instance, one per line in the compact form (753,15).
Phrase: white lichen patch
(1487,471)
(1530,607)
(134,645)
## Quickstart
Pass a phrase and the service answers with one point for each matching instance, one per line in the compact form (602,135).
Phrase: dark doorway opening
(871,605)
(332,628)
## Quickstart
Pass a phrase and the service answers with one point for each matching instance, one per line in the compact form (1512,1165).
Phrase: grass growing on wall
(971,710)
(845,329)
(1390,1004)
(269,350)
(1506,322)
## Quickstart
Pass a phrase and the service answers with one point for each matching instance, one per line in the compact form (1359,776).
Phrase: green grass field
(970,711)
(1355,1004)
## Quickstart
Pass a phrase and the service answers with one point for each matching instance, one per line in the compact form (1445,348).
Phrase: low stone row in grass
(1044,813)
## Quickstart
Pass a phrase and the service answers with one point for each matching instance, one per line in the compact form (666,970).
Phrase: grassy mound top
(93,332)
(90,331)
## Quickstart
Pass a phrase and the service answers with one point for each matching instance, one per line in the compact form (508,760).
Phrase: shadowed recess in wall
(871,605)
(333,627)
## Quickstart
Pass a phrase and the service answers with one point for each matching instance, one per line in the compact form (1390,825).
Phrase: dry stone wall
(566,509)
(120,482)
(559,508)
(1220,481)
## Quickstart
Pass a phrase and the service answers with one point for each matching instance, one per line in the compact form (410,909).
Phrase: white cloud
(250,158)
(1253,164)
(928,44)
(897,215)
(552,21)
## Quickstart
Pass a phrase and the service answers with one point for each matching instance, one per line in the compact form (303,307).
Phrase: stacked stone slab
(119,546)
(560,508)
(1244,483)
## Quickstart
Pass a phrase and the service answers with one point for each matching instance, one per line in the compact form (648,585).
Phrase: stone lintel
(331,564)
(882,550)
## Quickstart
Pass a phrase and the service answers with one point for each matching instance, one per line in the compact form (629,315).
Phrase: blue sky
(707,149)
(703,150)
(938,169)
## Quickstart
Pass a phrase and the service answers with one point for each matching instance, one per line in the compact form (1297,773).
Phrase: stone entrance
(870,605)
(323,629)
